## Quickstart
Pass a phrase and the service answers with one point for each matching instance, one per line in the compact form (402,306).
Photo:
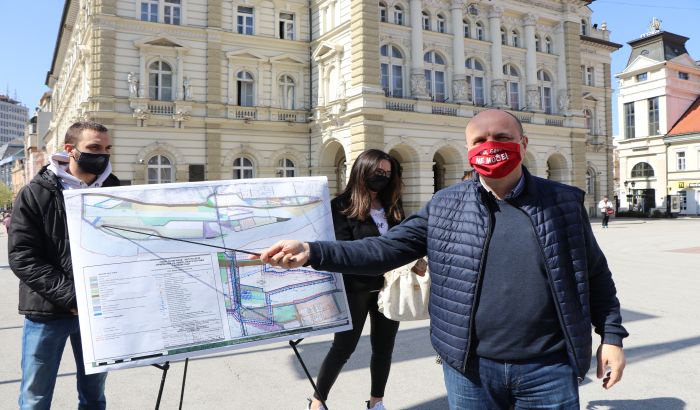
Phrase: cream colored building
(214,89)
(659,139)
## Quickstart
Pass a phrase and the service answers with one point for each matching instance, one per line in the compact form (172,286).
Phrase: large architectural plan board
(146,297)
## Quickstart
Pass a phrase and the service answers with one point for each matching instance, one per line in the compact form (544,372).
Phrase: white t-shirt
(379,219)
(604,205)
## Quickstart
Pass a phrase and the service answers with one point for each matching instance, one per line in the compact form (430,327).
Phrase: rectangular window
(149,10)
(397,80)
(382,13)
(629,120)
(479,91)
(680,161)
(245,93)
(426,22)
(546,99)
(196,172)
(429,82)
(654,126)
(398,16)
(590,80)
(287,26)
(683,75)
(642,77)
(440,86)
(514,95)
(244,20)
(171,12)
(385,79)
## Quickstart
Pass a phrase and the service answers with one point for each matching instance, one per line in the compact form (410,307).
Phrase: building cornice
(609,45)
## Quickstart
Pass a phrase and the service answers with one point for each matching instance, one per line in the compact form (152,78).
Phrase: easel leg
(164,367)
(184,376)
(294,344)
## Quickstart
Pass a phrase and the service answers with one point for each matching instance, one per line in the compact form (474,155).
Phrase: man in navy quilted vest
(518,279)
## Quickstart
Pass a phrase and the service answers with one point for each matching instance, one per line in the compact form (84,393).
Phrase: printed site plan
(164,272)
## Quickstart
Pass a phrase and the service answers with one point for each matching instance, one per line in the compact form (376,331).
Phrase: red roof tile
(689,121)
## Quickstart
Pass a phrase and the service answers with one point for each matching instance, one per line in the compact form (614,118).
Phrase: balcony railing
(248,113)
(161,108)
(554,122)
(399,105)
(444,110)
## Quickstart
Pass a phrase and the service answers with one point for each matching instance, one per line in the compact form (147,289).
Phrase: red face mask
(494,159)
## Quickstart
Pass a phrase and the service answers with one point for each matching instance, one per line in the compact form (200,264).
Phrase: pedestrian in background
(606,209)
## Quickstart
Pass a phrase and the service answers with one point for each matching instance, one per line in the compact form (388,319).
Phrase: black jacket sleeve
(375,255)
(341,226)
(605,307)
(28,249)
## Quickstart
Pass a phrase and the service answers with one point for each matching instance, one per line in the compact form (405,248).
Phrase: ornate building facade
(218,89)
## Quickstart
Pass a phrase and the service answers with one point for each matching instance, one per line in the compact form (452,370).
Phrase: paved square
(655,263)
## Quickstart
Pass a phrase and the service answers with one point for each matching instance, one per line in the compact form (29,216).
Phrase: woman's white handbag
(405,295)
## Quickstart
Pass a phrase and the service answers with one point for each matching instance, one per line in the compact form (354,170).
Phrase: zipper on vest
(554,297)
(480,275)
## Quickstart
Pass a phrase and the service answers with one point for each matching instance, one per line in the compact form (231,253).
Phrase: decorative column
(459,82)
(533,95)
(562,91)
(498,85)
(417,72)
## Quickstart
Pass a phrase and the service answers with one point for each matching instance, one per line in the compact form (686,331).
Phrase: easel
(165,367)
(293,344)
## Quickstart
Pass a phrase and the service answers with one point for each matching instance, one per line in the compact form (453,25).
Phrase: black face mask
(376,183)
(92,163)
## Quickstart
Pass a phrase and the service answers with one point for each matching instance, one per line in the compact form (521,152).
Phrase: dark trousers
(382,335)
(606,218)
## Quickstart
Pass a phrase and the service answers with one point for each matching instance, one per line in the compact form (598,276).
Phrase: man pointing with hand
(517,278)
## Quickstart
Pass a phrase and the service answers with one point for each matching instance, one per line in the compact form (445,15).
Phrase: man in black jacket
(39,254)
(517,278)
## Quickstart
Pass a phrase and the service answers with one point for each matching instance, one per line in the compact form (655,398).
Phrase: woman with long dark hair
(369,206)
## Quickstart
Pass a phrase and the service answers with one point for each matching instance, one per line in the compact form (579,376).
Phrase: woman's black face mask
(376,183)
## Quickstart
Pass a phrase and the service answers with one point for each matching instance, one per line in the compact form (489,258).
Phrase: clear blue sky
(28,39)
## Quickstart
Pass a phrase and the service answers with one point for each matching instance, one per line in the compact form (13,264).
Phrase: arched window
(588,115)
(515,38)
(440,23)
(475,80)
(538,43)
(398,15)
(544,81)
(480,31)
(548,47)
(434,66)
(466,28)
(286,92)
(504,39)
(246,89)
(512,77)
(642,170)
(160,170)
(160,81)
(242,168)
(382,12)
(285,168)
(391,65)
(426,20)
(591,182)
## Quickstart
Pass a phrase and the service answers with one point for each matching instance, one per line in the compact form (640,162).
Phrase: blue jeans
(543,383)
(43,342)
